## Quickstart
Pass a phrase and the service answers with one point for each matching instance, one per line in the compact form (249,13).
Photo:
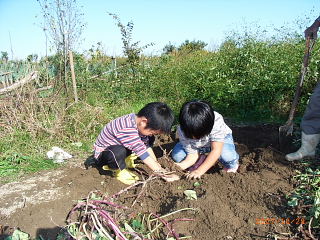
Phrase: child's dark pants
(114,157)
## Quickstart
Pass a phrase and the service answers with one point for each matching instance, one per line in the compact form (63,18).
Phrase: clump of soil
(229,206)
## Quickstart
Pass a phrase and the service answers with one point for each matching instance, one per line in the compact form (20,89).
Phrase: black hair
(159,115)
(196,119)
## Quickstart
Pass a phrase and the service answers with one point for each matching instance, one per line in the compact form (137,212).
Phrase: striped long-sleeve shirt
(122,131)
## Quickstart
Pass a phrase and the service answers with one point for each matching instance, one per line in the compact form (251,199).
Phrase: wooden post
(114,66)
(74,83)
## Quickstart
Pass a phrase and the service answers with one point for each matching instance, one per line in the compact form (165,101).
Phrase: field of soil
(229,206)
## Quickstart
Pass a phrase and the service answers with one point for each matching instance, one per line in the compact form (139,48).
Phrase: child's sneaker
(90,162)
(125,176)
(231,170)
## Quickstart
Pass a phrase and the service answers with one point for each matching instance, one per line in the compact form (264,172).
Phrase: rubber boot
(130,160)
(105,167)
(307,149)
(125,176)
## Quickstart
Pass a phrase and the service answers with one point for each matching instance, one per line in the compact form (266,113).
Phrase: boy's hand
(196,174)
(190,160)
(171,177)
(166,176)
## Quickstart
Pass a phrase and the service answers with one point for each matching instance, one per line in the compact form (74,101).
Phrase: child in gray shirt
(204,139)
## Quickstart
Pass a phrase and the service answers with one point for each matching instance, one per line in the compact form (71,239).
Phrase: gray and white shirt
(218,133)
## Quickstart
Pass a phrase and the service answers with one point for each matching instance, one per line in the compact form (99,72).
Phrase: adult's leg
(310,126)
(310,123)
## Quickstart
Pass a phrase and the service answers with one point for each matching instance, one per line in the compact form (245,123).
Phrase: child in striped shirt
(133,133)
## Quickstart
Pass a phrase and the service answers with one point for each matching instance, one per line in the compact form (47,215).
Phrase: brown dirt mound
(229,206)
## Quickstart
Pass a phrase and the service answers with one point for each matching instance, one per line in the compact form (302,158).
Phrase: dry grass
(24,110)
(53,115)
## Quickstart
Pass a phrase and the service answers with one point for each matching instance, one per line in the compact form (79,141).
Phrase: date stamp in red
(289,221)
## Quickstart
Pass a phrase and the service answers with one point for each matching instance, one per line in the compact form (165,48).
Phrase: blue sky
(154,21)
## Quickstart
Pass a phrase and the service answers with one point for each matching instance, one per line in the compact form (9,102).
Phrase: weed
(305,199)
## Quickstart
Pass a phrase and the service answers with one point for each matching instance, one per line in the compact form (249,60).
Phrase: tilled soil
(229,206)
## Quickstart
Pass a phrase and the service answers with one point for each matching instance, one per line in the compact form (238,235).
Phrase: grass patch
(21,154)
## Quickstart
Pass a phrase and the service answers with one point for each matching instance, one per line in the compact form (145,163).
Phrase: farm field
(229,206)
(66,97)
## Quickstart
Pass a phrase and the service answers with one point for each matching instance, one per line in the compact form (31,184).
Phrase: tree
(169,48)
(192,46)
(63,22)
(228,45)
(4,56)
(32,58)
(131,50)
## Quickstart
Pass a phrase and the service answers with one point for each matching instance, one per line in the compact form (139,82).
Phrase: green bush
(247,79)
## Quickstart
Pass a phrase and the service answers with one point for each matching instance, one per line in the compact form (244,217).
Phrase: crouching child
(204,139)
(130,136)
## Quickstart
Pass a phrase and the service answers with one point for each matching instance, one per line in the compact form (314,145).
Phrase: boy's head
(157,117)
(196,119)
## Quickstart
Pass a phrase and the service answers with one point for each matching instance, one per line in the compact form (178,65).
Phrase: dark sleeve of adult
(312,31)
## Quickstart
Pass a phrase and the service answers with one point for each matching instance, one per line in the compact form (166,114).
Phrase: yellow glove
(130,161)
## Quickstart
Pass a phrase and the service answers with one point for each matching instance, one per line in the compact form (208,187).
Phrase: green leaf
(95,197)
(317,212)
(293,202)
(77,144)
(19,235)
(136,224)
(196,184)
(191,194)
